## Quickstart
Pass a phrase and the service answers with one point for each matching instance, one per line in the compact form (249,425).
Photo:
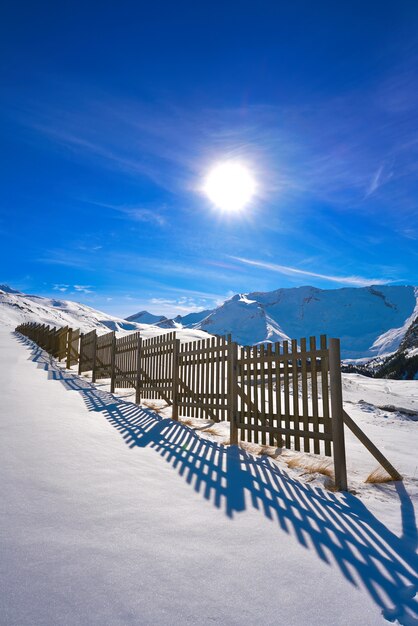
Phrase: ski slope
(113,514)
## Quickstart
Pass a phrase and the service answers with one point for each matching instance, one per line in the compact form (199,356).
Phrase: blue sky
(113,113)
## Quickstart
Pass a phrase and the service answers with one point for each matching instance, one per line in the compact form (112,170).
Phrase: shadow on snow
(338,527)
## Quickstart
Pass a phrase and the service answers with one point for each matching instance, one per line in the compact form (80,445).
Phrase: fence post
(69,340)
(337,413)
(232,399)
(93,367)
(80,354)
(112,364)
(176,350)
(138,372)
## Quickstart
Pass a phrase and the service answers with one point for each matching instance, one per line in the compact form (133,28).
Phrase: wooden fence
(87,354)
(202,380)
(286,394)
(157,368)
(284,391)
(104,357)
(126,372)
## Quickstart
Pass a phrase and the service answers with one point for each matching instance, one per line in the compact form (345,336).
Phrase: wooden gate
(292,397)
(103,364)
(126,371)
(283,395)
(157,371)
(61,343)
(202,379)
(73,347)
(87,352)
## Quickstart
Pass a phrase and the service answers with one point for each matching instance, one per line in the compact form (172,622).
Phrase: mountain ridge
(370,321)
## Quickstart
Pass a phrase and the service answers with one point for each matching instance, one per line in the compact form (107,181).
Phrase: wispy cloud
(136,213)
(83,288)
(357,281)
(375,182)
(379,178)
(76,288)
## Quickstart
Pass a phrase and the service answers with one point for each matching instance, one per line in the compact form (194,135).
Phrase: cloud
(375,182)
(136,213)
(83,288)
(357,281)
(378,179)
(175,306)
(78,288)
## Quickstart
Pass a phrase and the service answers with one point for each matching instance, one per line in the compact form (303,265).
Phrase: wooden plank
(70,339)
(270,409)
(112,364)
(207,366)
(304,388)
(138,372)
(94,355)
(232,398)
(363,438)
(262,394)
(287,431)
(325,392)
(314,392)
(175,375)
(212,373)
(286,390)
(255,390)
(295,391)
(340,469)
(278,384)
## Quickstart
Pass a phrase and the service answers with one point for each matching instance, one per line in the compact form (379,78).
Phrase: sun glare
(230,186)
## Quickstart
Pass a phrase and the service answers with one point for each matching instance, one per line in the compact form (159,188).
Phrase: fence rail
(283,394)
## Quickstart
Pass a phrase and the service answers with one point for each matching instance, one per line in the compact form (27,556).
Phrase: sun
(230,186)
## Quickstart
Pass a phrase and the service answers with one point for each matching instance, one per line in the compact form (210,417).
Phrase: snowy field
(113,514)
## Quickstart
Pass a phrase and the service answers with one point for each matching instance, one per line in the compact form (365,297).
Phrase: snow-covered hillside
(370,321)
(17,308)
(114,514)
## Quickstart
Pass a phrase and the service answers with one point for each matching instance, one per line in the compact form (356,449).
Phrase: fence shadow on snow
(341,530)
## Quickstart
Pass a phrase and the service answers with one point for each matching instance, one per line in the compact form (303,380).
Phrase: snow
(17,308)
(389,342)
(144,317)
(370,321)
(114,514)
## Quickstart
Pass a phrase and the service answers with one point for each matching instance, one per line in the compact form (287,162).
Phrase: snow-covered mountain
(17,307)
(402,364)
(144,317)
(181,321)
(370,321)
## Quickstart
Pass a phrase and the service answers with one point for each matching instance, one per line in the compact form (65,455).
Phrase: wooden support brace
(363,438)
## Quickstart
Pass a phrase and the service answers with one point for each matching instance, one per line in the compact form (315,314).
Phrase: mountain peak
(144,317)
(7,289)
